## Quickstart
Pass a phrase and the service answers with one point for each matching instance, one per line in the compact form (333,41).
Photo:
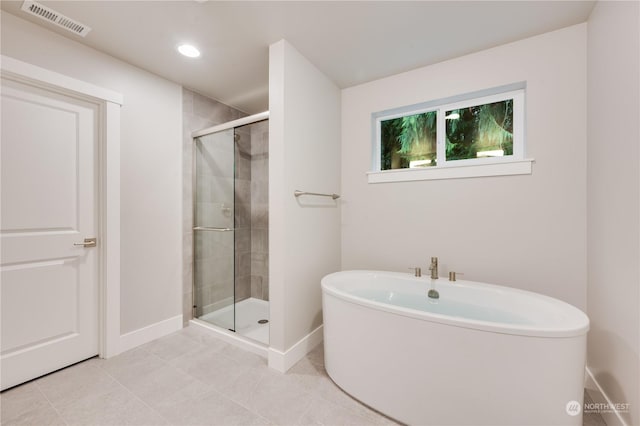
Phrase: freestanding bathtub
(481,354)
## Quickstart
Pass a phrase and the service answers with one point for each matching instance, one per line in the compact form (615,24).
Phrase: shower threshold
(249,316)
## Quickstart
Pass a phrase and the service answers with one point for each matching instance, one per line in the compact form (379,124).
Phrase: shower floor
(248,313)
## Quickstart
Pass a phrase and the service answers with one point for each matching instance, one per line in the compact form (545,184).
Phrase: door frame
(108,186)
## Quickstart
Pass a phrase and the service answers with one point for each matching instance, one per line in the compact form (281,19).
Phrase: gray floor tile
(21,399)
(308,375)
(209,409)
(78,381)
(333,393)
(240,388)
(323,412)
(316,356)
(245,357)
(172,346)
(132,365)
(42,416)
(211,367)
(279,398)
(165,384)
(204,337)
(118,407)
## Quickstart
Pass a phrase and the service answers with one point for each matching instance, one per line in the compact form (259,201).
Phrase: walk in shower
(230,227)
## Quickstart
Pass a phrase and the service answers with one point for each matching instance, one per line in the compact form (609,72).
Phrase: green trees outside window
(470,132)
(409,141)
(480,131)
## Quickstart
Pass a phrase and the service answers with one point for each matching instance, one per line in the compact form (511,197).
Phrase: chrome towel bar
(207,228)
(298,193)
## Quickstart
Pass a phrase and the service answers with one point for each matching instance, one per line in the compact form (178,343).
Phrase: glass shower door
(214,229)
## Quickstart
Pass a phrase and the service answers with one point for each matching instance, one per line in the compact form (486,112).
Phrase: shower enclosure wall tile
(259,211)
(259,215)
(259,287)
(215,214)
(198,113)
(221,296)
(260,264)
(256,286)
(243,240)
(213,269)
(243,287)
(240,203)
(260,138)
(214,161)
(259,168)
(212,110)
(243,139)
(215,189)
(199,244)
(259,240)
(204,294)
(243,220)
(243,213)
(243,191)
(265,290)
(243,265)
(258,193)
(243,166)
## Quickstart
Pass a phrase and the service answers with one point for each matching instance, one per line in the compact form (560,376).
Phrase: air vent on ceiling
(56,18)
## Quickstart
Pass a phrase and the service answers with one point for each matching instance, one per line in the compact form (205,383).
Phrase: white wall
(521,231)
(304,153)
(614,203)
(150,165)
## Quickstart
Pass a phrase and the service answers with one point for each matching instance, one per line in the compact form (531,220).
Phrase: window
(409,141)
(484,133)
(479,131)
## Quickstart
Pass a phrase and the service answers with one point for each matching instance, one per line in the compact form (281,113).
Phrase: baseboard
(151,332)
(283,361)
(598,395)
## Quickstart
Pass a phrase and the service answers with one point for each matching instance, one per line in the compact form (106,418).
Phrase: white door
(49,283)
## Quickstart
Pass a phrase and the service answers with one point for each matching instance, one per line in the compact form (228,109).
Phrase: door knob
(88,242)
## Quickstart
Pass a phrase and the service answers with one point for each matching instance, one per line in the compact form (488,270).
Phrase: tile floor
(188,378)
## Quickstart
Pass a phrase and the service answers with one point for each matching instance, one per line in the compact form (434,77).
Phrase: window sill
(503,168)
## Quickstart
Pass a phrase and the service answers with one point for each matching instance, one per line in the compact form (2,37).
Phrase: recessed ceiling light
(189,50)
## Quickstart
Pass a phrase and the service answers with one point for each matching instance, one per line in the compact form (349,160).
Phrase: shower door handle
(207,228)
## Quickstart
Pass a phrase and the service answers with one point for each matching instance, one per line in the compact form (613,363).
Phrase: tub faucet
(434,268)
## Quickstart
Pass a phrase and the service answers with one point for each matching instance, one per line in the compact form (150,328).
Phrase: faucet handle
(452,275)
(434,264)
(417,271)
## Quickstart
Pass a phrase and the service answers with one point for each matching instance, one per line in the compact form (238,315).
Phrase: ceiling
(351,42)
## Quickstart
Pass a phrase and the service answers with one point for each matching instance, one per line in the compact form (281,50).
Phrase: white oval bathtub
(481,354)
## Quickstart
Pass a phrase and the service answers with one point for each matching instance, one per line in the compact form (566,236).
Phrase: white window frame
(515,164)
